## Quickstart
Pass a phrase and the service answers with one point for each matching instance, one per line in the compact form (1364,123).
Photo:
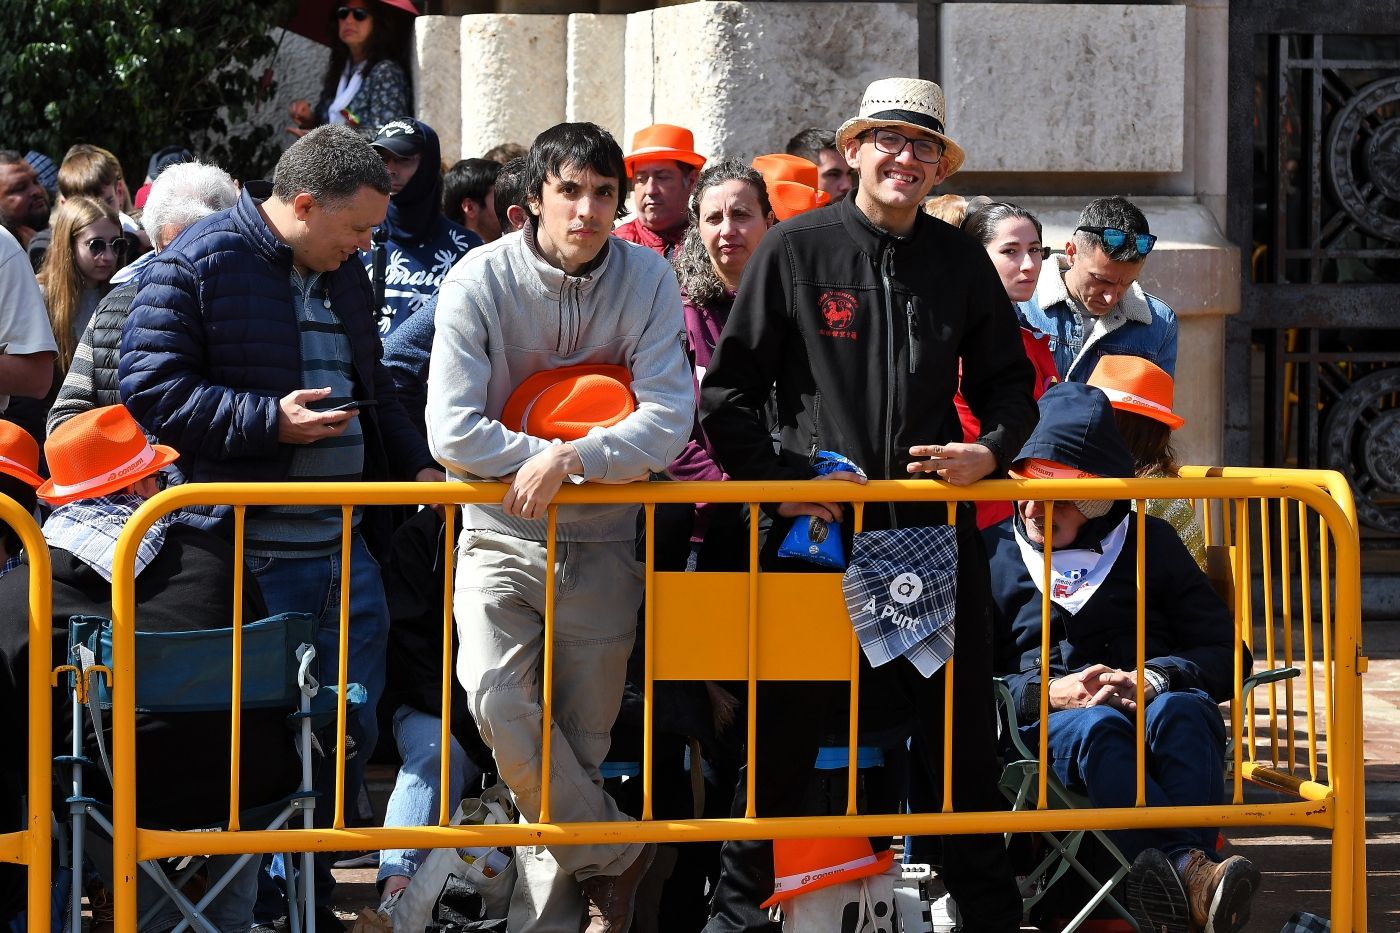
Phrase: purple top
(697,461)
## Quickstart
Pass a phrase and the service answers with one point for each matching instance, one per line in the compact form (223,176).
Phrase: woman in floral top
(365,86)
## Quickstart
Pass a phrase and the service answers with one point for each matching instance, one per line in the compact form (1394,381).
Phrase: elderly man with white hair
(183,193)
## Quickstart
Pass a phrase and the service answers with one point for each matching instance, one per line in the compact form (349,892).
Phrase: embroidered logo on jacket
(838,313)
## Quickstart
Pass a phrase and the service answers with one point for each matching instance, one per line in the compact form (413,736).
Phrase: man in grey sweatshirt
(560,292)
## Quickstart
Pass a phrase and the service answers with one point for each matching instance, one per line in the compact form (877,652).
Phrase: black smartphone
(353,405)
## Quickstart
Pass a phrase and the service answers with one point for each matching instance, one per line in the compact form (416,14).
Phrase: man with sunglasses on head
(1088,301)
(858,313)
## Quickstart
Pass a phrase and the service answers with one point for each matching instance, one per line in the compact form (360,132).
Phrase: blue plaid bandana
(901,591)
(89,528)
(1304,922)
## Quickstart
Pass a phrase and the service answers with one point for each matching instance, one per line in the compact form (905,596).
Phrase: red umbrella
(311,16)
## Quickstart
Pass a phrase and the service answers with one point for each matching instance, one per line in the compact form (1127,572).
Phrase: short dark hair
(469,178)
(984,216)
(331,163)
(510,190)
(505,152)
(1115,211)
(809,143)
(582,145)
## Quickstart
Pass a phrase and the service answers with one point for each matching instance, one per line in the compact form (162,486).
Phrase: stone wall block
(639,70)
(437,80)
(1065,87)
(512,78)
(597,55)
(745,76)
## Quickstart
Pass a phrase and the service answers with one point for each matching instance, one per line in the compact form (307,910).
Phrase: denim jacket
(1139,325)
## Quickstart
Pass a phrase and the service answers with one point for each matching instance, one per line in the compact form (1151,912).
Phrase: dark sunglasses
(1114,238)
(97,246)
(359,12)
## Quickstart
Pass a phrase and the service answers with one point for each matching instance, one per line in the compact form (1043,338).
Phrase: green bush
(136,75)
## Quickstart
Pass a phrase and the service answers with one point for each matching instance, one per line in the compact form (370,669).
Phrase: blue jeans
(312,585)
(1093,752)
(415,800)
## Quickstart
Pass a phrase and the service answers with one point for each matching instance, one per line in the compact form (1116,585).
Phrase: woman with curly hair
(87,249)
(365,84)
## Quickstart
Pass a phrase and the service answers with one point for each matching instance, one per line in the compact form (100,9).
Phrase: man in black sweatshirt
(859,314)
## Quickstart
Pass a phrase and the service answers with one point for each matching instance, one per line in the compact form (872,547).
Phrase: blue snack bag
(811,538)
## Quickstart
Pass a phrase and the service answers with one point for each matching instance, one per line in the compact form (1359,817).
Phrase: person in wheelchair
(1178,882)
(103,469)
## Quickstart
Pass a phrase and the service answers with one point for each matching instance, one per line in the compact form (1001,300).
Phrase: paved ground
(1296,866)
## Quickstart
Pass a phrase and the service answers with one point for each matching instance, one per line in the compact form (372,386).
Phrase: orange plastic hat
(98,452)
(1137,385)
(1035,468)
(565,403)
(663,141)
(802,865)
(19,454)
(792,183)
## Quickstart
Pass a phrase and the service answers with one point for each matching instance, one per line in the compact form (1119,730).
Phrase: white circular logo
(906,588)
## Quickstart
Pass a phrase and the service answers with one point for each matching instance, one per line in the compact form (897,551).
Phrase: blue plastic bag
(812,539)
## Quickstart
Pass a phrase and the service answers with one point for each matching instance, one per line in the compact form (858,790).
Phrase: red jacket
(665,243)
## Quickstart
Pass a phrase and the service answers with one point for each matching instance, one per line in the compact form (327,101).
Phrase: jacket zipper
(886,259)
(913,336)
(816,427)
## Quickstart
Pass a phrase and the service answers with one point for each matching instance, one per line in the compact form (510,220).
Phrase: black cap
(401,137)
(162,159)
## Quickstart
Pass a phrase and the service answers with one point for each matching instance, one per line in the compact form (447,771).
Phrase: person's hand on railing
(1098,685)
(958,464)
(826,511)
(537,481)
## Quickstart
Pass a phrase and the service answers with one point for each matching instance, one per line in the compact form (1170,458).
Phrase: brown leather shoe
(1156,897)
(611,897)
(1219,892)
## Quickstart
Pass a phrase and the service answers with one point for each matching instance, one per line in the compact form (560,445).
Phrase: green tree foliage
(136,75)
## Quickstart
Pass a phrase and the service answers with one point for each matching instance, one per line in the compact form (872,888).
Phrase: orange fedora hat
(802,865)
(663,141)
(98,452)
(1137,385)
(565,403)
(792,183)
(19,454)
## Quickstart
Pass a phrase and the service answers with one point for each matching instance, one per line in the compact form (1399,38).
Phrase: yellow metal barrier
(752,619)
(33,845)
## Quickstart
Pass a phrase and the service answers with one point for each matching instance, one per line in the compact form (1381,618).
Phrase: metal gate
(1314,193)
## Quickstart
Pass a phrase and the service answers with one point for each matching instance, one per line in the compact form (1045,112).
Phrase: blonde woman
(86,251)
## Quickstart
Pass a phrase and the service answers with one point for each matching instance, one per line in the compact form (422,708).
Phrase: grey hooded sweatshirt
(504,314)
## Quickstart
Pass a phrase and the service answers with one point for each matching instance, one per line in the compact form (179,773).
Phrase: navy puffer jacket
(212,343)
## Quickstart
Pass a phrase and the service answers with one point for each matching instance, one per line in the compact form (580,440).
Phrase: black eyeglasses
(97,246)
(359,12)
(892,143)
(1114,238)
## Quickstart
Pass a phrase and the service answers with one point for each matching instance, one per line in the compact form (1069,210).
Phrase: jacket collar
(554,279)
(1050,290)
(868,237)
(255,228)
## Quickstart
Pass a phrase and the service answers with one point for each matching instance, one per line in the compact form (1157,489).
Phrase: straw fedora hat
(802,865)
(100,451)
(792,183)
(663,141)
(903,102)
(19,454)
(1137,385)
(566,403)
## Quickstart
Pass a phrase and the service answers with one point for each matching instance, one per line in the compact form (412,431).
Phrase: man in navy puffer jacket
(247,330)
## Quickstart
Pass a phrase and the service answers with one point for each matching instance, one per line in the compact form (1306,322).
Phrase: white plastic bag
(864,906)
(491,872)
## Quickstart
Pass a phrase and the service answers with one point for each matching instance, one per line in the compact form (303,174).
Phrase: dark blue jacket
(212,343)
(1189,630)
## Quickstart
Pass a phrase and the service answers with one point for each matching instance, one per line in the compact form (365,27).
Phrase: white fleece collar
(1051,290)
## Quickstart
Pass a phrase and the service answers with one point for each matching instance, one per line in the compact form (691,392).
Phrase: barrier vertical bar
(235,754)
(1140,625)
(1342,755)
(343,663)
(1286,565)
(1325,566)
(1046,580)
(948,701)
(123,730)
(1266,560)
(449,551)
(547,689)
(648,636)
(853,721)
(38,833)
(751,743)
(1305,573)
(1243,623)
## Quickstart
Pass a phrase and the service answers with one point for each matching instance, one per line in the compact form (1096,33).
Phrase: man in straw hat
(661,168)
(103,469)
(859,312)
(556,360)
(1178,881)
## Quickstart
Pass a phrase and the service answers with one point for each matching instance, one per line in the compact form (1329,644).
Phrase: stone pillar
(745,76)
(596,71)
(1196,271)
(437,80)
(513,78)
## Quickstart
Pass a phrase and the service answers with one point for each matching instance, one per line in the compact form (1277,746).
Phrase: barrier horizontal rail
(1336,803)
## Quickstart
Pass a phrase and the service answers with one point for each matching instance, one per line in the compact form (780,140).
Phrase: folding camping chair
(191,672)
